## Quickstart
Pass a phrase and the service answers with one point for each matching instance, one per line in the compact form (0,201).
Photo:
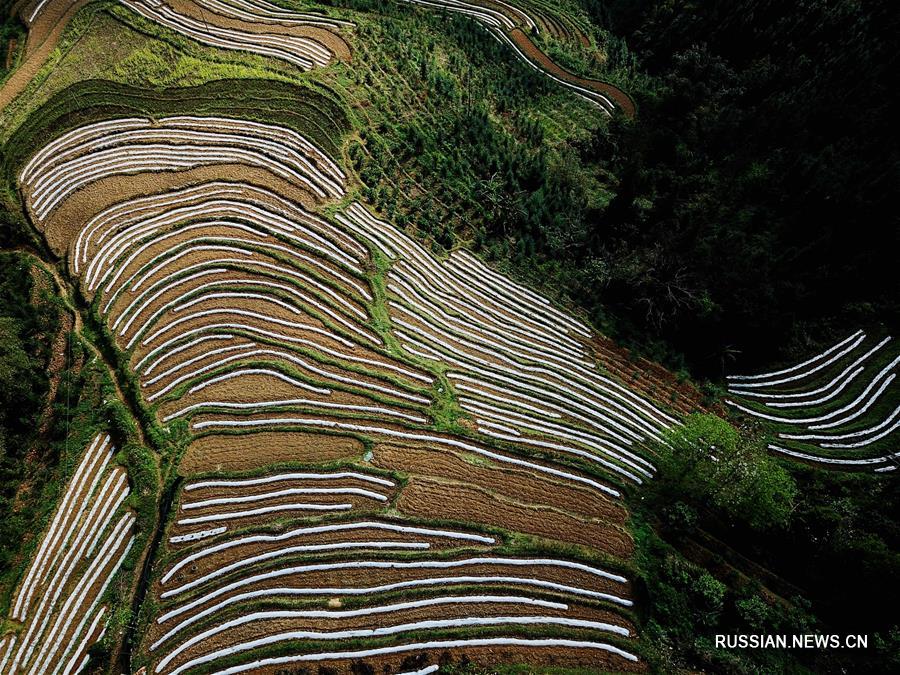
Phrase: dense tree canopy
(707,461)
(749,208)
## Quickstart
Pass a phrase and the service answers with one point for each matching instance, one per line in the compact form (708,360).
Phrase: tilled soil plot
(172,255)
(218,552)
(221,266)
(647,378)
(455,501)
(261,388)
(328,38)
(536,55)
(510,483)
(599,660)
(263,628)
(263,511)
(63,224)
(281,576)
(203,493)
(248,451)
(43,36)
(540,657)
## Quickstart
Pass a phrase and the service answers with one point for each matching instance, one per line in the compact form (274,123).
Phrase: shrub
(708,464)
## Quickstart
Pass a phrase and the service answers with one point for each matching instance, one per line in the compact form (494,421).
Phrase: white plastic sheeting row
(88,538)
(260,11)
(831,415)
(498,337)
(300,50)
(136,145)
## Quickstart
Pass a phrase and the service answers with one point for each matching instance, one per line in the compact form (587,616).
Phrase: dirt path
(43,37)
(121,657)
(65,292)
(524,43)
(10,50)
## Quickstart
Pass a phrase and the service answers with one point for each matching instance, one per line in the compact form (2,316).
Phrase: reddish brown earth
(333,42)
(458,501)
(260,629)
(64,223)
(242,452)
(507,482)
(647,378)
(43,35)
(524,43)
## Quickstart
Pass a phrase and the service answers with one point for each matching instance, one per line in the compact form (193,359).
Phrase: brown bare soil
(439,448)
(253,389)
(327,38)
(430,499)
(360,505)
(647,378)
(524,43)
(287,389)
(65,222)
(243,452)
(485,657)
(510,483)
(179,238)
(202,257)
(216,491)
(370,577)
(247,276)
(42,38)
(225,557)
(265,308)
(268,309)
(261,629)
(185,355)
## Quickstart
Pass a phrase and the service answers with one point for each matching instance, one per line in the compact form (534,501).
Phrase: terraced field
(512,23)
(441,394)
(60,601)
(375,456)
(839,408)
(304,40)
(387,457)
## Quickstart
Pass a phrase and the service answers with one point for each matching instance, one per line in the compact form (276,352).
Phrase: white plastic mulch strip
(416,437)
(434,624)
(433,644)
(323,529)
(799,366)
(337,615)
(833,460)
(301,51)
(135,145)
(196,536)
(752,381)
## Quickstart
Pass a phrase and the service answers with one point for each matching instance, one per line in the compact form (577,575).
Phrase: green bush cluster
(706,463)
